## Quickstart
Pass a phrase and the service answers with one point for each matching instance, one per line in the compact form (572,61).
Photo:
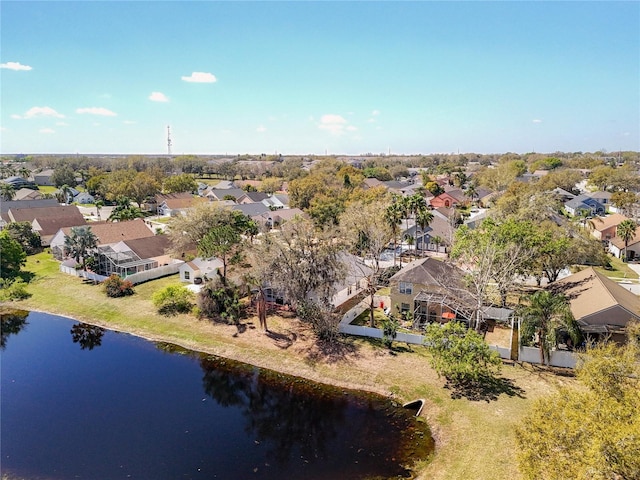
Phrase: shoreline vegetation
(474,437)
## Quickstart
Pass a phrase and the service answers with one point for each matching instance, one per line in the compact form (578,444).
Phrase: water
(81,402)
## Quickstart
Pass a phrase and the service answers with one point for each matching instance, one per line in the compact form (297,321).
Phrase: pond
(78,401)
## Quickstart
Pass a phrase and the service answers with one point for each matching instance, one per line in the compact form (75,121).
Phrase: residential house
(225,185)
(252,197)
(27,194)
(175,203)
(432,291)
(132,256)
(584,205)
(107,233)
(216,194)
(5,206)
(601,307)
(277,201)
(251,210)
(449,199)
(46,221)
(604,228)
(371,182)
(617,247)
(275,218)
(43,178)
(84,197)
(563,194)
(200,269)
(604,198)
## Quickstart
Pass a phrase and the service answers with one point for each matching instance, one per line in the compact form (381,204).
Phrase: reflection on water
(11,322)
(142,414)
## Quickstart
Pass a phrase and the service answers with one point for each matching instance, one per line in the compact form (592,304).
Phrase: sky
(301,78)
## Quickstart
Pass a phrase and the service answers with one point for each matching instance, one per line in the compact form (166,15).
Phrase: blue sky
(316,77)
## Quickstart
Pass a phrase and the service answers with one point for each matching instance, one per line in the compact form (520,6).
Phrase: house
(251,210)
(584,205)
(371,182)
(616,246)
(46,221)
(27,194)
(44,178)
(603,198)
(216,194)
(175,203)
(275,218)
(129,257)
(5,206)
(252,197)
(563,194)
(200,268)
(601,307)
(432,291)
(604,228)
(108,233)
(449,199)
(84,197)
(277,201)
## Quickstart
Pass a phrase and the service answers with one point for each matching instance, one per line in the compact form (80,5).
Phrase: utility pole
(169,140)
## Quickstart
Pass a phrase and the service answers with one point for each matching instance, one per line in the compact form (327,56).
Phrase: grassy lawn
(474,439)
(363,319)
(619,269)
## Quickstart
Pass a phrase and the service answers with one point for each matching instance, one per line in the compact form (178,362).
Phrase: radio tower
(169,140)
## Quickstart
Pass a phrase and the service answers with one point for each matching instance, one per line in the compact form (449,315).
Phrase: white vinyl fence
(558,358)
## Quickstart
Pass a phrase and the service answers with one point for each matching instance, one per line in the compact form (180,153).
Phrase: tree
(224,242)
(124,211)
(115,287)
(393,216)
(180,183)
(143,187)
(12,256)
(64,175)
(368,233)
(588,431)
(460,354)
(173,299)
(23,233)
(7,191)
(545,318)
(270,185)
(79,244)
(626,230)
(624,201)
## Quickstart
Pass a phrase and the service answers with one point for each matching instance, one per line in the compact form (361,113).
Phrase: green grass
(619,269)
(363,319)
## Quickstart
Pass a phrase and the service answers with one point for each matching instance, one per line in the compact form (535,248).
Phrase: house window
(404,307)
(406,288)
(186,275)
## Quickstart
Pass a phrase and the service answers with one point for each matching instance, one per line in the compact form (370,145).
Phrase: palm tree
(547,315)
(24,172)
(424,217)
(79,244)
(99,204)
(7,191)
(66,193)
(393,215)
(125,211)
(626,230)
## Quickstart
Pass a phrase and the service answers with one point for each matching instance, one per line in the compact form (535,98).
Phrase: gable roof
(253,196)
(181,203)
(429,271)
(613,220)
(590,292)
(619,242)
(251,209)
(149,247)
(5,206)
(57,211)
(49,226)
(114,232)
(27,194)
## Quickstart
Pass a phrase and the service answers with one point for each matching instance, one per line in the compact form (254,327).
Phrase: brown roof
(613,220)
(429,271)
(619,242)
(50,226)
(179,203)
(161,197)
(30,214)
(114,232)
(149,247)
(590,292)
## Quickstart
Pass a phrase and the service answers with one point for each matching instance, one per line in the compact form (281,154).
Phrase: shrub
(220,302)
(173,299)
(13,289)
(116,287)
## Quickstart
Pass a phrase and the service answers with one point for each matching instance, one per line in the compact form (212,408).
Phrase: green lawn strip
(619,269)
(474,438)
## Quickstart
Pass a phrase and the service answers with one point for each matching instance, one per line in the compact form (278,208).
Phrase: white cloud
(47,130)
(200,77)
(35,112)
(375,113)
(261,129)
(334,124)
(3,129)
(158,97)
(15,66)
(536,120)
(351,128)
(103,112)
(16,117)
(62,124)
(129,122)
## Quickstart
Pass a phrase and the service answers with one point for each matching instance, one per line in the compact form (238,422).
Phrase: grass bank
(474,438)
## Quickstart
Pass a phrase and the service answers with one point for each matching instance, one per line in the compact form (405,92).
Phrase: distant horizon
(348,77)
